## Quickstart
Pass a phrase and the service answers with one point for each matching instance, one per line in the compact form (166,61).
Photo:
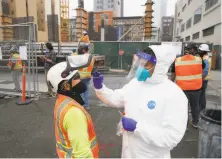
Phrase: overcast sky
(133,8)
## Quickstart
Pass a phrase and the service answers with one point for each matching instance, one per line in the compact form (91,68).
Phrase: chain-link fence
(21,36)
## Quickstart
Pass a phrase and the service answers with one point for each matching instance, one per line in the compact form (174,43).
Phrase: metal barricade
(23,37)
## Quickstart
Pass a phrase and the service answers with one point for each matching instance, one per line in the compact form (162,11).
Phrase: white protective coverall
(160,129)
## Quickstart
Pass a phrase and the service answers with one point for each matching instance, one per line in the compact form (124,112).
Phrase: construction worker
(74,130)
(74,52)
(15,66)
(85,74)
(85,37)
(49,59)
(203,52)
(155,108)
(187,71)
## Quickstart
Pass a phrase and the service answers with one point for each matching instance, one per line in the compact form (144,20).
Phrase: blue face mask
(142,74)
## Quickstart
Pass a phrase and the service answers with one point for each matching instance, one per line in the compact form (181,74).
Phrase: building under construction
(81,21)
(23,11)
(148,20)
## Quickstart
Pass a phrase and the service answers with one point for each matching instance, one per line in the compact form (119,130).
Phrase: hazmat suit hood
(165,55)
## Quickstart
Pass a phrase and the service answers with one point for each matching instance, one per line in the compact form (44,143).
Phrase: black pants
(194,98)
(203,96)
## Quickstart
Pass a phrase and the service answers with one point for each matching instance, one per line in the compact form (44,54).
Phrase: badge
(151,104)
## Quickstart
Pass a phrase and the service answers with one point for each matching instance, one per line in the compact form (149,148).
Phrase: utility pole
(102,29)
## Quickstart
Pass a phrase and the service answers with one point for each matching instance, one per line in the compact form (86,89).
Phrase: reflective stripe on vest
(189,77)
(189,72)
(206,57)
(86,72)
(63,145)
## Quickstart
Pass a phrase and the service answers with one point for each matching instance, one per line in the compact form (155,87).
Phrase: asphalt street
(28,131)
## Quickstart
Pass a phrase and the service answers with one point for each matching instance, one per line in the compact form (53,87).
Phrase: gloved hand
(129,124)
(97,80)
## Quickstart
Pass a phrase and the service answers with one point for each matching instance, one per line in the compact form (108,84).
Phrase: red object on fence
(121,52)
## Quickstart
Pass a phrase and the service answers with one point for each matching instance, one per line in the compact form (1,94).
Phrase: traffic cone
(23,100)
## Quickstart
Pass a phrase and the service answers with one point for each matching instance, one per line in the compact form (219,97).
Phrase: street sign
(121,52)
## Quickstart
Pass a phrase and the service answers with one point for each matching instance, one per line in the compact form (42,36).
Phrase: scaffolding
(64,17)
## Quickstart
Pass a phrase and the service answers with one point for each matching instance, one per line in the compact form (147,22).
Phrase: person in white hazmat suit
(156,109)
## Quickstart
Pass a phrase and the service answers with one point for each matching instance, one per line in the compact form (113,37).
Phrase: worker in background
(49,59)
(187,71)
(85,74)
(15,66)
(74,130)
(74,52)
(203,52)
(85,38)
(155,108)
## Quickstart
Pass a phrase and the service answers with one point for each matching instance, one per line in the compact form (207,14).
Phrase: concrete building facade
(95,19)
(123,24)
(21,11)
(198,21)
(72,30)
(81,21)
(160,10)
(167,28)
(109,5)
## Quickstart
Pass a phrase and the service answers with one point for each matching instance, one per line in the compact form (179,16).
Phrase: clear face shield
(142,66)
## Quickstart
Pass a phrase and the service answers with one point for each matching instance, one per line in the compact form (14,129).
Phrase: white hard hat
(84,32)
(67,70)
(204,47)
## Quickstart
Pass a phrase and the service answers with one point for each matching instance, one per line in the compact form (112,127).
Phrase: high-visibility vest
(85,39)
(86,72)
(18,63)
(206,57)
(63,144)
(188,69)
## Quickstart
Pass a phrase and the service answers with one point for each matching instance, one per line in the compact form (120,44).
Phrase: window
(184,7)
(210,3)
(182,28)
(178,14)
(178,31)
(197,15)
(188,38)
(181,40)
(188,25)
(208,31)
(108,6)
(196,35)
(112,6)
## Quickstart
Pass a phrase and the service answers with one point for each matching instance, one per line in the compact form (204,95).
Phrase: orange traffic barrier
(24,83)
(23,100)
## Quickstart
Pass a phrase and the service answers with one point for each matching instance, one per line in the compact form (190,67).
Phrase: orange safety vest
(85,39)
(18,64)
(86,72)
(63,144)
(206,57)
(189,72)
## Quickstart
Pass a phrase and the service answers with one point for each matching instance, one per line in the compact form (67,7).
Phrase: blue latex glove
(97,80)
(129,124)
